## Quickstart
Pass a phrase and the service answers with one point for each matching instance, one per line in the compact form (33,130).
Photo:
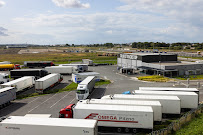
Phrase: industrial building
(157,63)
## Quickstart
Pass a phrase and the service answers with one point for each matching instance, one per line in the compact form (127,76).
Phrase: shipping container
(88,62)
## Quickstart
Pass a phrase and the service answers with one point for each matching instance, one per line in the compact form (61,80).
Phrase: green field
(195,127)
(57,58)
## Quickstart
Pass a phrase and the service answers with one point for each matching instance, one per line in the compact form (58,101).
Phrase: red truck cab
(67,112)
(17,66)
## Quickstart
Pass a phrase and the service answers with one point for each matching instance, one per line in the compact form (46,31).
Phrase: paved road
(52,103)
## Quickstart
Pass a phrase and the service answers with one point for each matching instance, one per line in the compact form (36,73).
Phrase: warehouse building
(157,63)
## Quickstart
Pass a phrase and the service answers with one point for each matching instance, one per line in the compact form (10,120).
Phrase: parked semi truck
(80,67)
(4,78)
(20,125)
(33,64)
(85,88)
(169,89)
(61,69)
(21,83)
(88,62)
(46,82)
(79,77)
(7,95)
(187,99)
(156,105)
(9,66)
(170,104)
(112,118)
(37,73)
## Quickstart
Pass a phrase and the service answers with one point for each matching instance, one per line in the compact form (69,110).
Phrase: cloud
(109,27)
(2,3)
(2,31)
(185,11)
(71,4)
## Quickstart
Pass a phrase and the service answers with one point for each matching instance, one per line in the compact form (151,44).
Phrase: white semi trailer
(79,77)
(46,82)
(187,99)
(156,105)
(20,125)
(21,83)
(61,69)
(85,88)
(112,118)
(80,67)
(169,89)
(170,104)
(4,78)
(7,95)
(5,62)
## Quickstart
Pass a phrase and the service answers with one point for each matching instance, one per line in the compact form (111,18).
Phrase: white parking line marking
(41,103)
(61,99)
(33,100)
(72,100)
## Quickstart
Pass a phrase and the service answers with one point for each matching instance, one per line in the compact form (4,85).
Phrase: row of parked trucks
(134,112)
(112,113)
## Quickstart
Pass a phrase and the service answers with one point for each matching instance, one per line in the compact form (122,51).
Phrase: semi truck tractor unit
(156,105)
(61,69)
(188,100)
(20,84)
(47,82)
(79,77)
(20,125)
(170,104)
(37,73)
(33,64)
(7,95)
(85,88)
(4,78)
(113,118)
(80,67)
(9,66)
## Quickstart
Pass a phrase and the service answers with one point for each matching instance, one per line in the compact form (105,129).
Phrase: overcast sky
(100,21)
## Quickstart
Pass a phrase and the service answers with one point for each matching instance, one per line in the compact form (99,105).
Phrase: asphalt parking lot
(52,103)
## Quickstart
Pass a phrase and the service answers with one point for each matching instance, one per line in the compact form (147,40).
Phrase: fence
(174,126)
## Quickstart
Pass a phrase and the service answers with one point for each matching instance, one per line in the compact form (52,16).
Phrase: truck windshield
(81,91)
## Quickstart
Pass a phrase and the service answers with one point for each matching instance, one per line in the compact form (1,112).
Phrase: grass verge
(191,77)
(70,87)
(154,78)
(195,127)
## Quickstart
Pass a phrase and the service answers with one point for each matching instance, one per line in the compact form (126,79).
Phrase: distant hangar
(158,63)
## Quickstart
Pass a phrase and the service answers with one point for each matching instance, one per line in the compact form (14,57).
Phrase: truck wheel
(127,130)
(119,130)
(134,130)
